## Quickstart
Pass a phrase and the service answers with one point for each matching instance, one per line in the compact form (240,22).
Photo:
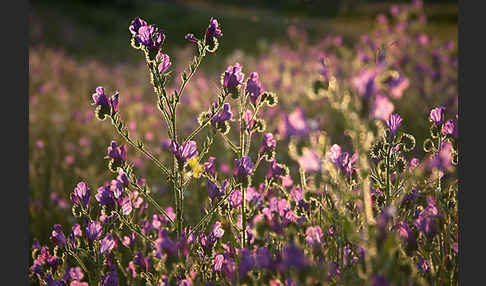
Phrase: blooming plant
(293,207)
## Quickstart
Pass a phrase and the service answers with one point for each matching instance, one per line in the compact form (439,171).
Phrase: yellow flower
(196,168)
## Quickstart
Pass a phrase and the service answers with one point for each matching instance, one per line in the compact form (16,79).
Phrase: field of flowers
(322,163)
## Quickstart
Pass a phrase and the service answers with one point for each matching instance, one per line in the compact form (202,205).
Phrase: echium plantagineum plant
(360,215)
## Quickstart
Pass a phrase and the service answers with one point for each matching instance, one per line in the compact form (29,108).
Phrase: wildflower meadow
(322,162)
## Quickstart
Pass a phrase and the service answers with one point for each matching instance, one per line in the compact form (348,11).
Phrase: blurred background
(77,45)
(98,28)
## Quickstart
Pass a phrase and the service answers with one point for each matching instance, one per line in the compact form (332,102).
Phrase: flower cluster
(238,199)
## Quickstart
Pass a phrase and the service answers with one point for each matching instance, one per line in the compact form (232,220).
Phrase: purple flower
(243,167)
(398,86)
(426,219)
(100,99)
(123,178)
(57,236)
(184,152)
(93,230)
(52,261)
(292,256)
(247,261)
(253,87)
(135,25)
(407,235)
(107,244)
(51,282)
(116,188)
(334,153)
(229,268)
(105,196)
(192,38)
(394,122)
(223,115)
(209,166)
(437,115)
(103,104)
(75,273)
(76,230)
(36,244)
(213,31)
(276,170)
(214,191)
(365,84)
(217,232)
(164,244)
(110,279)
(422,265)
(150,37)
(114,101)
(81,195)
(126,206)
(218,262)
(233,78)
(142,261)
(382,107)
(164,62)
(235,199)
(263,258)
(449,128)
(310,161)
(268,144)
(313,235)
(294,124)
(117,153)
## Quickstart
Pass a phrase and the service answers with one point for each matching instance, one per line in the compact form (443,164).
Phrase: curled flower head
(233,79)
(253,87)
(394,122)
(184,152)
(437,115)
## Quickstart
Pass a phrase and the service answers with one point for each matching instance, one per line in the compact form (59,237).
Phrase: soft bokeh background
(76,46)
